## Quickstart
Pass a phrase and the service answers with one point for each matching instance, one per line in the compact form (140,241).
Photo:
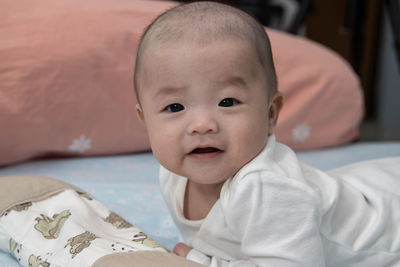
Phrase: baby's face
(205,107)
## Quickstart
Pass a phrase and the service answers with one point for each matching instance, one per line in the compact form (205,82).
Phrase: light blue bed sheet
(128,184)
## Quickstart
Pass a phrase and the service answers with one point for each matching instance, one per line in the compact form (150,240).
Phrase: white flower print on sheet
(301,133)
(80,145)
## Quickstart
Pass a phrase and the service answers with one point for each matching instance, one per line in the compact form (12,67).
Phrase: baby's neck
(199,199)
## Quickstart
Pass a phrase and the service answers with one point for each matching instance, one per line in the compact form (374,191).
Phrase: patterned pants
(68,229)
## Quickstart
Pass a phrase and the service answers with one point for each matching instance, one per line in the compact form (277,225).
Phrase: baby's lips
(204,150)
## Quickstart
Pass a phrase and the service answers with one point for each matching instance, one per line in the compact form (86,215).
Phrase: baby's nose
(203,124)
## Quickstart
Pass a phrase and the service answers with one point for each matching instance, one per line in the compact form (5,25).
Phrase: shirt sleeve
(276,220)
(197,256)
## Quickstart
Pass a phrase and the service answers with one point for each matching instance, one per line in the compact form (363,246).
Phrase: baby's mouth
(205,151)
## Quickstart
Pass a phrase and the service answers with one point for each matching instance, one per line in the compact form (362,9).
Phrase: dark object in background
(287,15)
(393,8)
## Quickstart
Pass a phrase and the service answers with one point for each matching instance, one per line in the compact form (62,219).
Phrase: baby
(207,92)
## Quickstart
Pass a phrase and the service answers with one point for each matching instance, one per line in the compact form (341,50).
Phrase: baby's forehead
(169,53)
(220,64)
(158,50)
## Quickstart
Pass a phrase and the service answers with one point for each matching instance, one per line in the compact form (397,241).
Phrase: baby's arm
(276,221)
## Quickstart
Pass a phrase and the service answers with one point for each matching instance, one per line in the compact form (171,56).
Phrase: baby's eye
(176,107)
(228,102)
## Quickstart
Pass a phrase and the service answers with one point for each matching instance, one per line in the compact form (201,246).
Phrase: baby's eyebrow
(237,81)
(169,91)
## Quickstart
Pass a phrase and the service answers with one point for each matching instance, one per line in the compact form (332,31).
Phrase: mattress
(128,184)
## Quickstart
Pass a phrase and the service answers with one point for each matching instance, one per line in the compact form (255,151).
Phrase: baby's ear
(275,106)
(139,112)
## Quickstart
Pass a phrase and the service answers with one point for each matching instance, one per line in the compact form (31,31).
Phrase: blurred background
(364,32)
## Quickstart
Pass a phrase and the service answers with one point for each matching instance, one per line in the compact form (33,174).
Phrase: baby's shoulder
(264,185)
(269,176)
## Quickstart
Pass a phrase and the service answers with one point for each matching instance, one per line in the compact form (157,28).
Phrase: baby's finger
(181,249)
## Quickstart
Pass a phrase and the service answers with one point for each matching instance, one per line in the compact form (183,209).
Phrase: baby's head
(203,23)
(207,90)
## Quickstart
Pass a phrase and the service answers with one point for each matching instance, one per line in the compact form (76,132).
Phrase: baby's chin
(203,174)
(209,178)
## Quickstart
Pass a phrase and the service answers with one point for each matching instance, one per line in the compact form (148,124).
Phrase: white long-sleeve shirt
(278,212)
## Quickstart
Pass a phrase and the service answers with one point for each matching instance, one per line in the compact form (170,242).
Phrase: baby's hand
(181,249)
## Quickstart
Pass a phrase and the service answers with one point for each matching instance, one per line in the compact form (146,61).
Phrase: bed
(128,184)
(67,105)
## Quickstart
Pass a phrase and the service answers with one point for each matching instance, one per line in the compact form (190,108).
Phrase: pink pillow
(323,104)
(66,81)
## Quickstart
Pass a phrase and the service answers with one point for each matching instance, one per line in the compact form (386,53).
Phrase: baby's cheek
(165,154)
